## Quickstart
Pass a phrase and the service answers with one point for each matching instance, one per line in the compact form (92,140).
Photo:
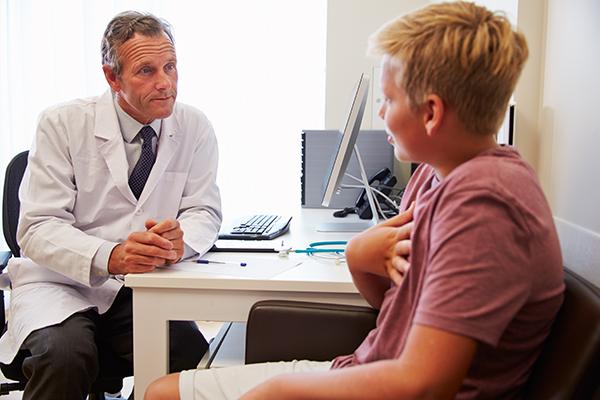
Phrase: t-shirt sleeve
(476,280)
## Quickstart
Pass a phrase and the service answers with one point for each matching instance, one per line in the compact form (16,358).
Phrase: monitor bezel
(349,136)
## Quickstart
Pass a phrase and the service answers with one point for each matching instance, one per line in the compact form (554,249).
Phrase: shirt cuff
(99,271)
(188,253)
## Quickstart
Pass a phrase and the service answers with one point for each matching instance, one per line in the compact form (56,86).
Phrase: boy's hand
(396,260)
(383,250)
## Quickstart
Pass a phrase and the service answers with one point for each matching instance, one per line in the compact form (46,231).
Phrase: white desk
(166,294)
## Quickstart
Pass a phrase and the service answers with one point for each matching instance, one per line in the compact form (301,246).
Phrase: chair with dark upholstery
(279,330)
(112,369)
(568,368)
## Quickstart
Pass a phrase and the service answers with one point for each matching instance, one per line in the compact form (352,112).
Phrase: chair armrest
(287,330)
(4,257)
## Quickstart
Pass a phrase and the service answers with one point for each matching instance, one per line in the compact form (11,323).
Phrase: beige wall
(564,143)
(349,24)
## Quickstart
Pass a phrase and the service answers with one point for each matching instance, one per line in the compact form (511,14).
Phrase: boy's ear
(433,113)
(111,78)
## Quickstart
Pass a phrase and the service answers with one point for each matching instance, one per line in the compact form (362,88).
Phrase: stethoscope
(318,247)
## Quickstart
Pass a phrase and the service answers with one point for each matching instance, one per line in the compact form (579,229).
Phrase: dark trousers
(67,358)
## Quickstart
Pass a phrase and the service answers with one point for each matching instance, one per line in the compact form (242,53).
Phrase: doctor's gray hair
(122,28)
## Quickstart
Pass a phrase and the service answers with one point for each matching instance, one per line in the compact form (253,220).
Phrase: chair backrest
(283,330)
(569,366)
(10,201)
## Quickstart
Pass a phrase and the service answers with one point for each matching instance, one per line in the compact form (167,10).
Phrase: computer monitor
(346,147)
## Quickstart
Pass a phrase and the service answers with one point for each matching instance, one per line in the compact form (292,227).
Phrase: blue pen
(201,261)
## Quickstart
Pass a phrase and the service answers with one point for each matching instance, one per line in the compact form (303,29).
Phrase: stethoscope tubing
(312,247)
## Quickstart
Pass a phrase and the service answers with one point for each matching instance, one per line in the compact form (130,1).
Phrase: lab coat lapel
(110,144)
(168,143)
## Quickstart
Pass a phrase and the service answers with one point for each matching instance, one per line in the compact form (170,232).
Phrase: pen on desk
(201,261)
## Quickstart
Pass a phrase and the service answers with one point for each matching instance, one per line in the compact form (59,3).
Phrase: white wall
(566,141)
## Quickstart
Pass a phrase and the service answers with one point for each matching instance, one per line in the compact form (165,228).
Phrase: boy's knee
(164,388)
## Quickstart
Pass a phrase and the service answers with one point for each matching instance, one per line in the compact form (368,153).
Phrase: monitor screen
(348,139)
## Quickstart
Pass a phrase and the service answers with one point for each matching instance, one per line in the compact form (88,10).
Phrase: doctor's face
(147,86)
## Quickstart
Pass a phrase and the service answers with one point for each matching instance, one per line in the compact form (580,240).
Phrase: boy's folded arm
(366,255)
(369,256)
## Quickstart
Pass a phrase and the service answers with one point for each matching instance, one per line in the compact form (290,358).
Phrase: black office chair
(110,383)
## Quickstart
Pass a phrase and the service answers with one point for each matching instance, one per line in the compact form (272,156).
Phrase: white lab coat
(75,196)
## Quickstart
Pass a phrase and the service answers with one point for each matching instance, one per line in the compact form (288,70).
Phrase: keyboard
(256,227)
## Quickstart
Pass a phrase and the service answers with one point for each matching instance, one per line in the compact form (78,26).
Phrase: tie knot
(147,133)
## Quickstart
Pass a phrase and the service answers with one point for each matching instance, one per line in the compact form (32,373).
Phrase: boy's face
(405,128)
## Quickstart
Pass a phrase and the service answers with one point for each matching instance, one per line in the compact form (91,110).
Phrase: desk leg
(150,341)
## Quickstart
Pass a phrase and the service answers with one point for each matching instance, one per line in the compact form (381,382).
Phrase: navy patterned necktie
(142,168)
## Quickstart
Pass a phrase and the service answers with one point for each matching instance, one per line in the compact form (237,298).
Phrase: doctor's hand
(141,252)
(171,230)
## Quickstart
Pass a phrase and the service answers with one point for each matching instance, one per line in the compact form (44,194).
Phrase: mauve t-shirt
(485,263)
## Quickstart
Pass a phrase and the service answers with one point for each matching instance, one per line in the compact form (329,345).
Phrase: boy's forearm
(380,380)
(368,251)
(371,287)
(432,365)
(366,254)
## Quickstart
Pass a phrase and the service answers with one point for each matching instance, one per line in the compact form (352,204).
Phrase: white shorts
(231,382)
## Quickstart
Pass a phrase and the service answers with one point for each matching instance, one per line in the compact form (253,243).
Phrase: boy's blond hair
(462,52)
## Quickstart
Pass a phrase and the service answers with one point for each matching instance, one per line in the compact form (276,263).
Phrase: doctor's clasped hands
(161,244)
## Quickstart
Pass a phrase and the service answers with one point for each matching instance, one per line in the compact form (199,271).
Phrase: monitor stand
(355,226)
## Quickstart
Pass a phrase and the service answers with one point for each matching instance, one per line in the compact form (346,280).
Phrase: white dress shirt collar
(129,126)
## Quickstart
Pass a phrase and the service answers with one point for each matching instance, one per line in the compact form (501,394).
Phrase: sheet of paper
(255,268)
(249,245)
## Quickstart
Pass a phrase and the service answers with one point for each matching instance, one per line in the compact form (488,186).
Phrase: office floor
(208,329)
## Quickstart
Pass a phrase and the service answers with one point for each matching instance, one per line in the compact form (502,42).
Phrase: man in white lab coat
(112,184)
